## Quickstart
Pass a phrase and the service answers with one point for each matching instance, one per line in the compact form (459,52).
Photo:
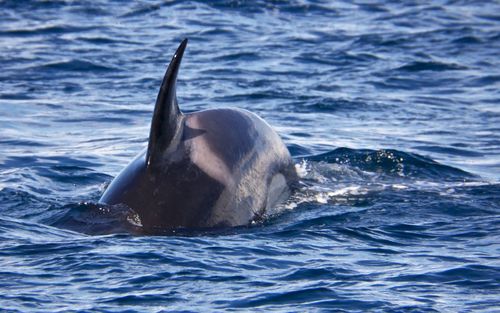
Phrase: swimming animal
(211,168)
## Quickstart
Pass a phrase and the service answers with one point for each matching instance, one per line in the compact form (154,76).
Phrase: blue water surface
(391,110)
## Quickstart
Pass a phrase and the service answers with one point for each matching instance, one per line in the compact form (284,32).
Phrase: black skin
(212,168)
(176,193)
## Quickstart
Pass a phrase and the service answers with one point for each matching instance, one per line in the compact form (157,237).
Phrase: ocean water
(391,110)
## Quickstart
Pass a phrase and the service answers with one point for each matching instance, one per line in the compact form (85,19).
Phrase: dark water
(391,110)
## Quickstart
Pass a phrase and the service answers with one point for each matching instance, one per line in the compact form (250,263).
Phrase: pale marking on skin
(205,158)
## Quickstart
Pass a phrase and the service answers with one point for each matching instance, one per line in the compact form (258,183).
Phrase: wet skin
(220,167)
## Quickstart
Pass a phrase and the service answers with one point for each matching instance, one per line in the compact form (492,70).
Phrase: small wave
(484,80)
(25,231)
(68,174)
(418,66)
(100,40)
(467,40)
(392,162)
(450,150)
(22,143)
(298,296)
(325,105)
(470,275)
(77,66)
(142,9)
(297,150)
(21,161)
(216,31)
(149,299)
(242,56)
(44,30)
(95,119)
(96,219)
(16,96)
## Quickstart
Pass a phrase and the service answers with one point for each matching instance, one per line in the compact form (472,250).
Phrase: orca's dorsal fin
(166,115)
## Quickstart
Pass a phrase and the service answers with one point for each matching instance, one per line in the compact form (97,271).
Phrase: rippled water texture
(390,109)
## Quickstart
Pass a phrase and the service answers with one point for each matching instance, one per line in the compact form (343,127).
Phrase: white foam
(399,186)
(302,168)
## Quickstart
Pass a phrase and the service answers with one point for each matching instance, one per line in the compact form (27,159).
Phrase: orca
(219,167)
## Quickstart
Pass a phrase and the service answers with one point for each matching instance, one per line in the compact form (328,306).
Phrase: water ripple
(389,109)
